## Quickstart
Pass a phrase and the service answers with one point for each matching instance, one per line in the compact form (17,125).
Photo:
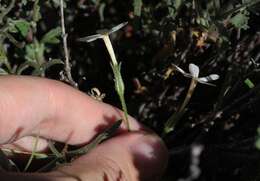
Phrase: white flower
(102,33)
(194,74)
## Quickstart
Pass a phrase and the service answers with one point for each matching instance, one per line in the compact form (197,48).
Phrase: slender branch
(193,84)
(65,47)
(174,119)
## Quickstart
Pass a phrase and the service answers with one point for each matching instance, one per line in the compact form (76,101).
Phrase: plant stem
(118,78)
(32,155)
(192,87)
(65,47)
(174,119)
(6,11)
(124,107)
(110,49)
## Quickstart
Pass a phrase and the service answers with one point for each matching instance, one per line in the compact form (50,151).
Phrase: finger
(53,110)
(135,156)
(132,156)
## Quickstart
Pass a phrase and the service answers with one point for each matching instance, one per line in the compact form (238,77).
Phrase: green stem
(118,78)
(122,100)
(32,155)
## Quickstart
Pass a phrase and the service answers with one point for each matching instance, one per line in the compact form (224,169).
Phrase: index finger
(52,110)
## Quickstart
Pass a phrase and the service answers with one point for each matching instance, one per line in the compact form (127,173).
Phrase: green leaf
(257,143)
(35,52)
(36,11)
(26,65)
(3,72)
(119,83)
(33,154)
(249,83)
(3,57)
(51,63)
(177,4)
(137,7)
(24,2)
(100,138)
(52,37)
(21,26)
(173,120)
(54,149)
(240,20)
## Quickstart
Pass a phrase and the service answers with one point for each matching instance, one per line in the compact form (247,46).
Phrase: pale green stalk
(119,84)
(32,155)
(12,152)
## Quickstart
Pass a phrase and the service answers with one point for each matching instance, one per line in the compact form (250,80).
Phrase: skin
(32,106)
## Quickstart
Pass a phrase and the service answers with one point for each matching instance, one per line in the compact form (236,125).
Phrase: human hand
(31,106)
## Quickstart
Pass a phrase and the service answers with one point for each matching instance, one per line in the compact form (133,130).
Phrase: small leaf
(100,138)
(137,7)
(35,52)
(26,65)
(119,84)
(52,37)
(249,83)
(3,57)
(54,149)
(240,20)
(21,26)
(36,11)
(52,62)
(3,72)
(257,143)
(173,120)
(36,139)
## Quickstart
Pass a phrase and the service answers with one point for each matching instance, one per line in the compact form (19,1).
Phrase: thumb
(135,156)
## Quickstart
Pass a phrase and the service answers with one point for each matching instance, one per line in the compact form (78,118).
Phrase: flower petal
(117,27)
(209,78)
(214,76)
(179,69)
(90,38)
(194,70)
(200,80)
